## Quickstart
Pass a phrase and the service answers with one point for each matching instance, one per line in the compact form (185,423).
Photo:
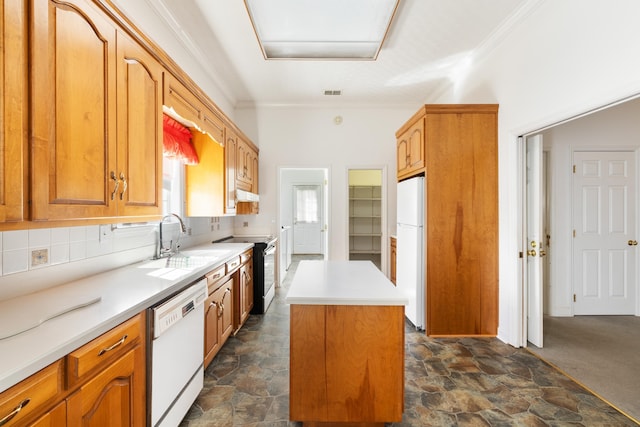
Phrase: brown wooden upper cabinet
(240,158)
(246,167)
(181,99)
(410,148)
(13,110)
(96,119)
(230,152)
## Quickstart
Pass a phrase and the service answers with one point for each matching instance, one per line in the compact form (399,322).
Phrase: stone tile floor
(448,382)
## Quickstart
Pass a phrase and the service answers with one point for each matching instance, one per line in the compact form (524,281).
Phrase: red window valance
(177,141)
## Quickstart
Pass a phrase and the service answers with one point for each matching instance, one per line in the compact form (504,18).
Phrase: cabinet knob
(632,243)
(532,252)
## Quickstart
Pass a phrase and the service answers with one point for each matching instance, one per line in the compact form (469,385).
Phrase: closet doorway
(366,216)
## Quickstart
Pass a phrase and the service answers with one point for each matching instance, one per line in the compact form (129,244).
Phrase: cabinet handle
(116,185)
(221,307)
(124,185)
(15,411)
(213,304)
(104,350)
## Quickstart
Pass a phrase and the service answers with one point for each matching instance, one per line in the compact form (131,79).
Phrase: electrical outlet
(245,224)
(188,231)
(39,257)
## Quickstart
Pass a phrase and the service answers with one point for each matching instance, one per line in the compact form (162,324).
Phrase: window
(307,204)
(172,186)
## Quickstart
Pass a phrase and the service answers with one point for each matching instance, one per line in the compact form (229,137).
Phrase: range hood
(245,196)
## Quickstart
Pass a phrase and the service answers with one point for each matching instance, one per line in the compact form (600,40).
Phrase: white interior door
(308,219)
(604,244)
(534,239)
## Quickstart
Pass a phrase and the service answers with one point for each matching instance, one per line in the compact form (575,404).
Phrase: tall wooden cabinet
(461,224)
(13,110)
(96,126)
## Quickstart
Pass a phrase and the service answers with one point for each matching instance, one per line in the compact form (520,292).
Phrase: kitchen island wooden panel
(347,355)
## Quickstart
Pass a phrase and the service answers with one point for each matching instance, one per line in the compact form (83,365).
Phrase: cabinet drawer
(214,275)
(233,264)
(29,395)
(246,256)
(104,349)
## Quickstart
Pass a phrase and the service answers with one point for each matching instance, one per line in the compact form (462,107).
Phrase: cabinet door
(116,397)
(181,99)
(56,417)
(410,150)
(13,110)
(226,312)
(255,169)
(211,329)
(243,162)
(139,165)
(230,148)
(246,292)
(73,122)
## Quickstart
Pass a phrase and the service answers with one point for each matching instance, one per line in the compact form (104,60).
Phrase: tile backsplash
(41,258)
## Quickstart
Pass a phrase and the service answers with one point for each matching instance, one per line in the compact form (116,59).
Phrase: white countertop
(122,293)
(342,283)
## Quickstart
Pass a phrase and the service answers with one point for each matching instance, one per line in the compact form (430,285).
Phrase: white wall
(616,128)
(308,137)
(565,58)
(150,21)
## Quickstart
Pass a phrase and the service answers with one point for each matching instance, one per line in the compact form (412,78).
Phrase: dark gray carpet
(600,352)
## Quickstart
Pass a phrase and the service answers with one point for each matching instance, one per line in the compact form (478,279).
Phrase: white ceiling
(429,43)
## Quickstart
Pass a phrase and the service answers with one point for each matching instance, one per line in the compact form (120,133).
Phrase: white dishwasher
(177,353)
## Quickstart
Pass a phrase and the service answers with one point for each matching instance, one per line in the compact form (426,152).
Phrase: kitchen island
(347,345)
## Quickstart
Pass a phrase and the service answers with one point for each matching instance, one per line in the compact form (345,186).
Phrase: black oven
(264,269)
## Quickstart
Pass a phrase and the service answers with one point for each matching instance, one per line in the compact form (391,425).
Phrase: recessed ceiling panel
(321,29)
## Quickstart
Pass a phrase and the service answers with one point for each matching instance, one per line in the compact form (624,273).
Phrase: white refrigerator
(410,262)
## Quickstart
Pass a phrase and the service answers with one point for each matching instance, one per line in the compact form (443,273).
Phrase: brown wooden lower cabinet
(218,317)
(53,418)
(110,392)
(111,398)
(347,364)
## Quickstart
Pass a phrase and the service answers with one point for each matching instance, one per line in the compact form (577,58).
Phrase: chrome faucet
(162,251)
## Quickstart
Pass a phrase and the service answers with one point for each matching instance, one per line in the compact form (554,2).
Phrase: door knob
(632,243)
(531,252)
